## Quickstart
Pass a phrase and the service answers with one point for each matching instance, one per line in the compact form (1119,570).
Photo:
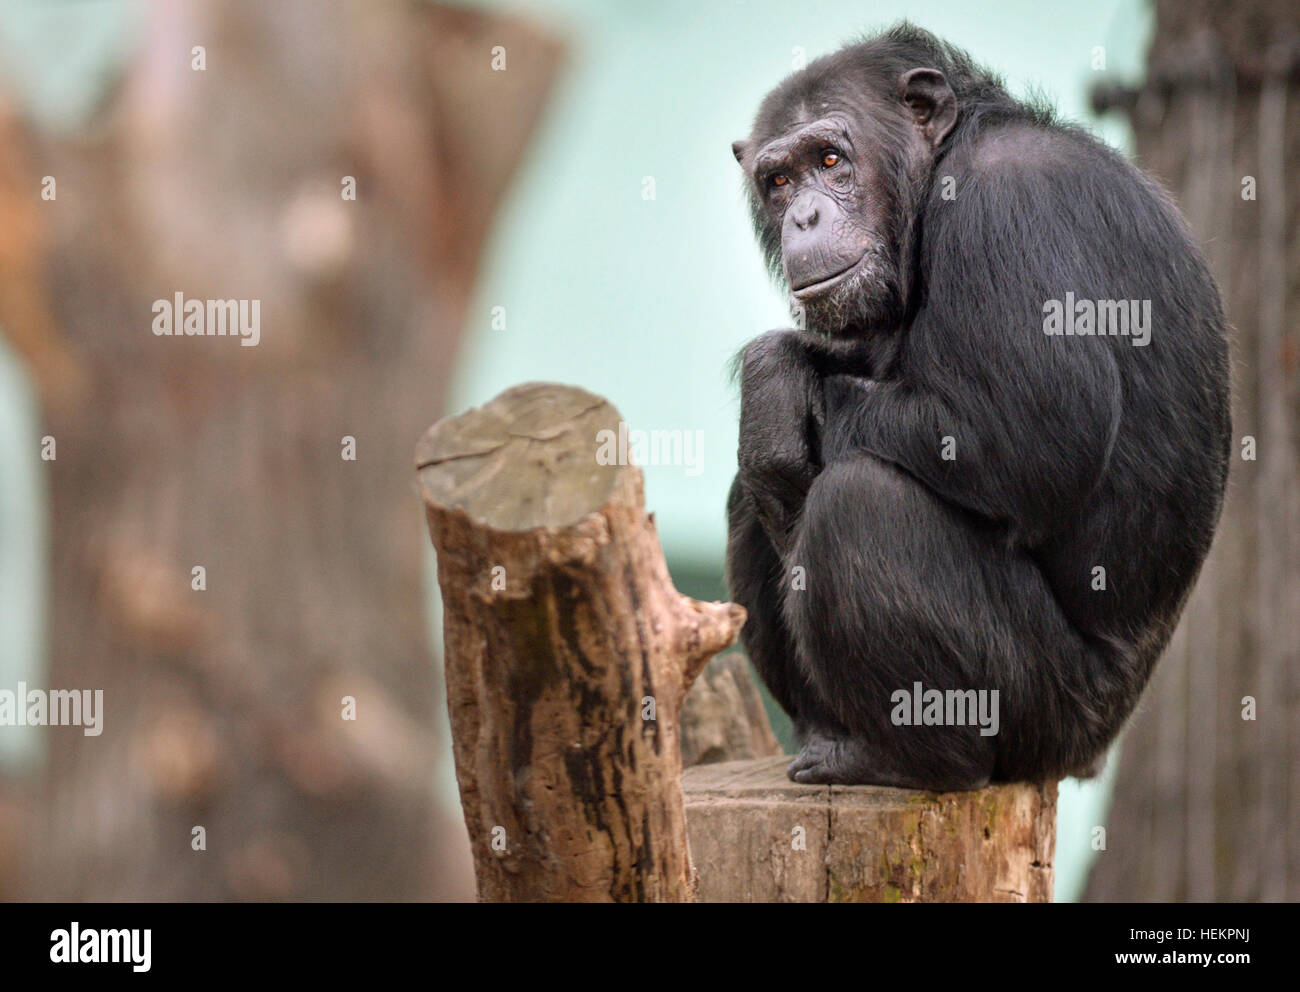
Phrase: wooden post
(758,837)
(568,652)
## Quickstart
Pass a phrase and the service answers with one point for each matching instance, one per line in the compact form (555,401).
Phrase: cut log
(723,718)
(758,837)
(568,652)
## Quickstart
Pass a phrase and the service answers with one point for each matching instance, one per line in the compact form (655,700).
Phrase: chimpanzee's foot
(845,760)
(827,760)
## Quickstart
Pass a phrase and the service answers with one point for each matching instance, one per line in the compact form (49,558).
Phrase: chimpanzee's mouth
(823,285)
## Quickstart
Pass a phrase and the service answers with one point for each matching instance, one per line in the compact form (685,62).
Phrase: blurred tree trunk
(1207,805)
(224,707)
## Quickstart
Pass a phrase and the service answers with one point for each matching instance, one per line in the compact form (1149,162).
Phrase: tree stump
(758,837)
(723,717)
(568,652)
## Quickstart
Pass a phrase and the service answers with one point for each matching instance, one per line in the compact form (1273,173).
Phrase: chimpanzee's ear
(738,148)
(934,107)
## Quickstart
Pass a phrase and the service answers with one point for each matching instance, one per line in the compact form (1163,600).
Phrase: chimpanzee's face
(831,179)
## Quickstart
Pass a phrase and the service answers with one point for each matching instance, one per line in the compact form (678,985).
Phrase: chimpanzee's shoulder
(1024,147)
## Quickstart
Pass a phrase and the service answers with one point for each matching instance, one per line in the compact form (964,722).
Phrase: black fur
(1070,452)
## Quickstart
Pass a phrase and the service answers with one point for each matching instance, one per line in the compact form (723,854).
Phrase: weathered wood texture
(723,718)
(757,837)
(568,652)
(1207,799)
(177,452)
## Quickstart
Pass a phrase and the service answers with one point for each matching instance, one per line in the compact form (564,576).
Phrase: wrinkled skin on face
(835,179)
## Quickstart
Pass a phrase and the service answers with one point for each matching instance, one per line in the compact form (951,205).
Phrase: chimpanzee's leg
(904,588)
(755,578)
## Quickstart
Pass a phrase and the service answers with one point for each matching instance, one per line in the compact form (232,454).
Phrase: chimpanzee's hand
(781,417)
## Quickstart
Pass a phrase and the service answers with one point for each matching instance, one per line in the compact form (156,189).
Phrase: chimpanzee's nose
(804,213)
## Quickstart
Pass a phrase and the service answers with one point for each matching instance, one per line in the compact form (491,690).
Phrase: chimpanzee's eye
(830,157)
(779,179)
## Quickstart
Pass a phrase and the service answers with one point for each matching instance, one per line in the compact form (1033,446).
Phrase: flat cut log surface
(756,836)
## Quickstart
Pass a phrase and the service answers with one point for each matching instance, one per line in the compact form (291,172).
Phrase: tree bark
(568,652)
(224,704)
(723,718)
(1208,794)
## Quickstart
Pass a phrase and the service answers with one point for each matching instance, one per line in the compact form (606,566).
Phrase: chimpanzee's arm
(781,417)
(1020,434)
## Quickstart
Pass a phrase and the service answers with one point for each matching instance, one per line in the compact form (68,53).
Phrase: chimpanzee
(985,474)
